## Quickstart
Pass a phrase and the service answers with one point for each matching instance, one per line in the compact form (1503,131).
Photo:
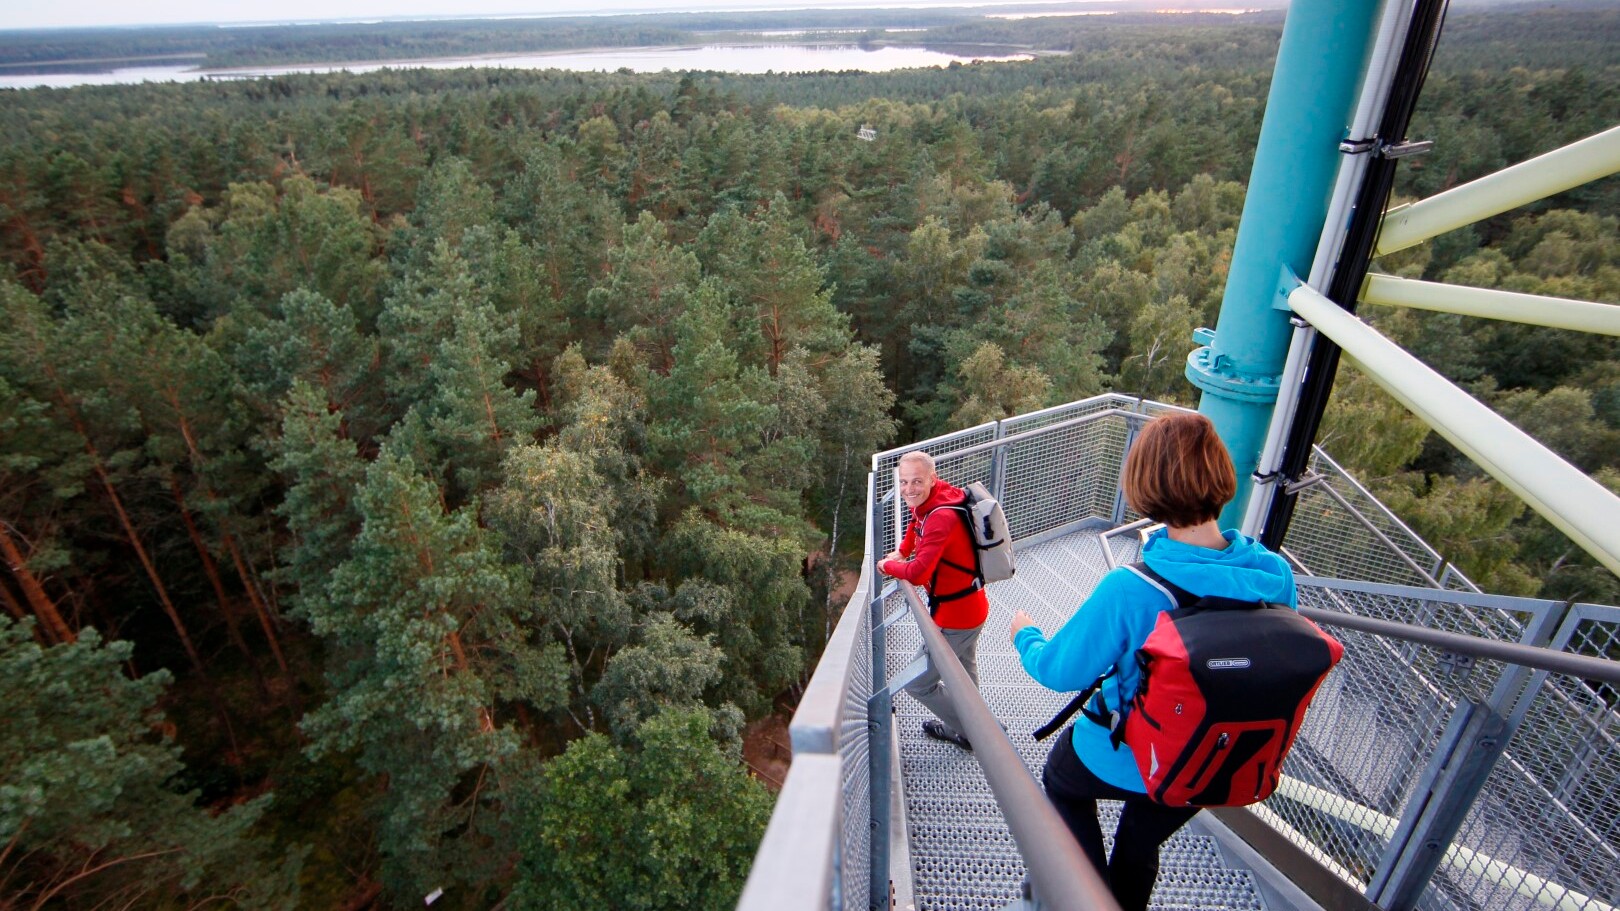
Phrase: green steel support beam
(1577,505)
(1559,170)
(1320,62)
(1532,309)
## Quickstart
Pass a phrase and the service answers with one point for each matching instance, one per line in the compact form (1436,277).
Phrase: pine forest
(431,480)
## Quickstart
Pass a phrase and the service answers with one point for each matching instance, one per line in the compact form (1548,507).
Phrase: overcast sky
(80,13)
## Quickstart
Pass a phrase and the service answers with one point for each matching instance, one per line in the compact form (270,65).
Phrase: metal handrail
(1062,876)
(1585,667)
(801,842)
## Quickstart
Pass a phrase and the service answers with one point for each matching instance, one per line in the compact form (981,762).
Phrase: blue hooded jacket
(1114,622)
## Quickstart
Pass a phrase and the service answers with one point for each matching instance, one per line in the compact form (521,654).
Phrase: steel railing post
(1118,515)
(998,467)
(1476,739)
(879,717)
(1434,813)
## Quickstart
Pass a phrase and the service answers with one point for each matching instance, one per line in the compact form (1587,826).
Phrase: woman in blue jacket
(1179,473)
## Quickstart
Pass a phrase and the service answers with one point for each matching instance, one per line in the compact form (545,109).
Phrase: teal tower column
(1320,65)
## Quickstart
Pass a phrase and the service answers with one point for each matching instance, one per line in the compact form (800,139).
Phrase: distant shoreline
(408,62)
(727,57)
(101,64)
(966,29)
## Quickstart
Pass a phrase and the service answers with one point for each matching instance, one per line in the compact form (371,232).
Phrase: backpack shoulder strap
(1178,596)
(935,600)
(976,570)
(1184,599)
(1077,704)
(1108,718)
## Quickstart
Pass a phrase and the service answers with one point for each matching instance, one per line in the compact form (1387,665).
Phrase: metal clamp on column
(1295,485)
(1393,150)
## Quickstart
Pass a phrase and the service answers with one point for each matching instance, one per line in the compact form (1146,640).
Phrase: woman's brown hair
(1178,472)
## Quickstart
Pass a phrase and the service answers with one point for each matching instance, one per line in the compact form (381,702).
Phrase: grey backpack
(987,526)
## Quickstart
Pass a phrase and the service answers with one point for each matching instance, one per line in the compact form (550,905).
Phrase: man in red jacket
(937,553)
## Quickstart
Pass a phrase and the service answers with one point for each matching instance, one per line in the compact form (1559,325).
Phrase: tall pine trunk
(229,542)
(44,609)
(211,569)
(832,543)
(65,400)
(251,586)
(134,539)
(162,590)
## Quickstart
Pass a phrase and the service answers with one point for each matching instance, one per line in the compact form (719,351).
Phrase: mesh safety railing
(889,522)
(1545,831)
(812,858)
(1348,534)
(855,780)
(1373,733)
(1393,742)
(1051,468)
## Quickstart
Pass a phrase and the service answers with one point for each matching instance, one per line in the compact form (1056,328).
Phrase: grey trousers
(929,689)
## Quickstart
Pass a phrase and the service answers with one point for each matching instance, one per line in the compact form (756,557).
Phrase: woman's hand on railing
(1019,621)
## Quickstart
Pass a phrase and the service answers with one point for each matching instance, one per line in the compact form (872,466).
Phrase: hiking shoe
(939,731)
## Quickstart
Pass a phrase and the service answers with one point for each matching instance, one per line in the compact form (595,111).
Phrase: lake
(782,58)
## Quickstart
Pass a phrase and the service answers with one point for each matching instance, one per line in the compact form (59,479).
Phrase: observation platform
(1463,755)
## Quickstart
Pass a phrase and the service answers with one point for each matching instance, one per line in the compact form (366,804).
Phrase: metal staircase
(962,855)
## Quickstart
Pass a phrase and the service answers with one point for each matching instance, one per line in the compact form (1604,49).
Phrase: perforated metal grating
(964,858)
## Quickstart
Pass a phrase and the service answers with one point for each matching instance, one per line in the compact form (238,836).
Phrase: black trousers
(1143,825)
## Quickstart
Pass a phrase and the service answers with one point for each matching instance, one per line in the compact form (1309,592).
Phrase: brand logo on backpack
(1226,664)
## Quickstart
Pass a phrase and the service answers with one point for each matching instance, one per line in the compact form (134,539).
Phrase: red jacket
(947,537)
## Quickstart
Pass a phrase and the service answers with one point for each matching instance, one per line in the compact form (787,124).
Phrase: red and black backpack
(1223,690)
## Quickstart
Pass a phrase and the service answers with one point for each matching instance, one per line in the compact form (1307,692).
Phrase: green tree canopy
(87,810)
(671,821)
